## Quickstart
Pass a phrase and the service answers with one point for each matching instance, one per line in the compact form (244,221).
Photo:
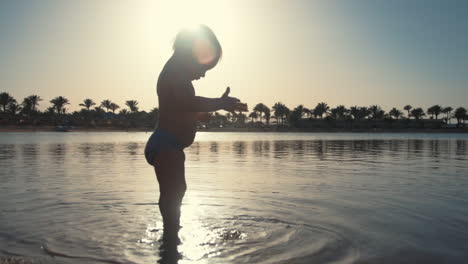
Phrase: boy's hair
(201,37)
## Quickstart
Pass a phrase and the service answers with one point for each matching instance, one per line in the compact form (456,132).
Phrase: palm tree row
(90,114)
(8,104)
(374,112)
(261,112)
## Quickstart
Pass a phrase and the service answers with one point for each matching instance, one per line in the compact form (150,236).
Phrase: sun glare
(180,14)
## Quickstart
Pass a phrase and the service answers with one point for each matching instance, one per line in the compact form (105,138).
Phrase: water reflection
(7,151)
(280,149)
(323,149)
(326,149)
(30,153)
(239,148)
(105,148)
(58,151)
(461,147)
(133,148)
(318,149)
(291,199)
(86,149)
(261,148)
(214,147)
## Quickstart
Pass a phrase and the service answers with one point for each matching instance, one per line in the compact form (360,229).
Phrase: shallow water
(251,198)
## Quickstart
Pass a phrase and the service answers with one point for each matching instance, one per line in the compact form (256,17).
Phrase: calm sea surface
(251,198)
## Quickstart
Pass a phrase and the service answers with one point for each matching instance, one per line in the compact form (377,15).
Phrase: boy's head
(200,47)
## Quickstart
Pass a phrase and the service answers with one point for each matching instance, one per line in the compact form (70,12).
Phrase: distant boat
(62,128)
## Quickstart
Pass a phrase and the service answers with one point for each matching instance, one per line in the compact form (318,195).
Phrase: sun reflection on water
(197,239)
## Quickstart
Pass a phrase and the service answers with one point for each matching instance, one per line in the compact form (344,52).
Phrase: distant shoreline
(244,129)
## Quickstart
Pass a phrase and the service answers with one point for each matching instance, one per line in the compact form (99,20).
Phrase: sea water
(251,198)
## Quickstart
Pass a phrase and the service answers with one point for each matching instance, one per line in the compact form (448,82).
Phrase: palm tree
(277,110)
(29,103)
(447,110)
(300,111)
(296,115)
(434,110)
(315,113)
(123,112)
(339,112)
(99,110)
(417,113)
(132,104)
(408,108)
(14,108)
(321,109)
(253,115)
(87,103)
(260,108)
(286,113)
(354,111)
(35,99)
(359,112)
(395,113)
(333,113)
(5,99)
(430,112)
(267,114)
(27,106)
(460,114)
(281,111)
(113,107)
(377,112)
(106,104)
(59,103)
(364,112)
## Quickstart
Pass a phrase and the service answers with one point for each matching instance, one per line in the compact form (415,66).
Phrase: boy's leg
(170,171)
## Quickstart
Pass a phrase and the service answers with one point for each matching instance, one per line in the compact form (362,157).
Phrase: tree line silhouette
(322,115)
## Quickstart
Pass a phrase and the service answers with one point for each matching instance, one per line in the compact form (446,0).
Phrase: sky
(364,52)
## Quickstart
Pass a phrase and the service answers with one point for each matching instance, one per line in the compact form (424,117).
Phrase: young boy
(195,52)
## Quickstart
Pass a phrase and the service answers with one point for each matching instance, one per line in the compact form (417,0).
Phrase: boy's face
(198,72)
(203,54)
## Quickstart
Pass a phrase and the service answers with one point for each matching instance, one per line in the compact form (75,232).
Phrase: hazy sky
(359,52)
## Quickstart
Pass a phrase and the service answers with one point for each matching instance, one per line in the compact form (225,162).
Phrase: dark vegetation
(108,114)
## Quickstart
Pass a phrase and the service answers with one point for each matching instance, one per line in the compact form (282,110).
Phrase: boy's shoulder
(170,79)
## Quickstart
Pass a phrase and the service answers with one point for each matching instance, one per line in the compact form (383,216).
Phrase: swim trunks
(159,140)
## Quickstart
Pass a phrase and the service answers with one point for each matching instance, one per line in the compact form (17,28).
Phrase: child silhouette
(196,51)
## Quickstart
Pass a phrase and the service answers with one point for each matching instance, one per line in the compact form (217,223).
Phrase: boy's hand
(232,104)
(226,93)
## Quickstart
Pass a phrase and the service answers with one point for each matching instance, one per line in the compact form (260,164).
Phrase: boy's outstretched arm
(187,101)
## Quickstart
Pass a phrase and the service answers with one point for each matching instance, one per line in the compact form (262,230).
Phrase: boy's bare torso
(172,118)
